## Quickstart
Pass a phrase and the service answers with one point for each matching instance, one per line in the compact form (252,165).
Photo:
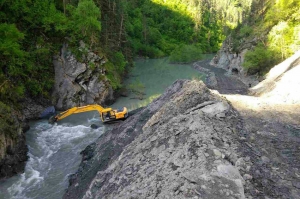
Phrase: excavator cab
(106,114)
(111,115)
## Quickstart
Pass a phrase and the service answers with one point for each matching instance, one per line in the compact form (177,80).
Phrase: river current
(54,150)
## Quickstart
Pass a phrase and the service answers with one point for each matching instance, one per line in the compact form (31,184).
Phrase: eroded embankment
(270,137)
(182,145)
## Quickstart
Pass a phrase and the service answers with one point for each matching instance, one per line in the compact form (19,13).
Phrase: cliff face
(13,150)
(77,83)
(13,126)
(182,145)
(232,61)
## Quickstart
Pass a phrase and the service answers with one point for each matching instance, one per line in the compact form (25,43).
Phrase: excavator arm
(81,109)
(106,114)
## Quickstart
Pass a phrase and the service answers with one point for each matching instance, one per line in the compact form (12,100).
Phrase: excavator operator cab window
(107,115)
(112,114)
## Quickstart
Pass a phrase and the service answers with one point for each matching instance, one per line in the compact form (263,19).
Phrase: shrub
(186,54)
(260,60)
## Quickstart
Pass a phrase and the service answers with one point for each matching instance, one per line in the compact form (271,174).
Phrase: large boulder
(80,83)
(182,145)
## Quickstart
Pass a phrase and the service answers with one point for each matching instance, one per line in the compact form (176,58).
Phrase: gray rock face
(179,146)
(32,108)
(232,62)
(228,60)
(78,83)
(13,149)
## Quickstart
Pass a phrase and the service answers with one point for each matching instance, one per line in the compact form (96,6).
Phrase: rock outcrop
(14,124)
(232,61)
(80,83)
(182,145)
(13,149)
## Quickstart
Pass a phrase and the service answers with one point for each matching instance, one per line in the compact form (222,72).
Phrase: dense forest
(31,32)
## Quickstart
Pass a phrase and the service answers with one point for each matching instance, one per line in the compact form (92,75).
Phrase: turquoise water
(152,77)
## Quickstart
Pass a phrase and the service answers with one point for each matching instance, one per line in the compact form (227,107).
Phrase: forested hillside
(31,32)
(274,26)
(162,27)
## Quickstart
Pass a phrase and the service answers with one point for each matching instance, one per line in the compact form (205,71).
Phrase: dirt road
(225,84)
(269,140)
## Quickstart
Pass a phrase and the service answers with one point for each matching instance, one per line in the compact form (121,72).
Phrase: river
(54,150)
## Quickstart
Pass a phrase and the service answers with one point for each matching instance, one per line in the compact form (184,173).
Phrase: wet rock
(94,126)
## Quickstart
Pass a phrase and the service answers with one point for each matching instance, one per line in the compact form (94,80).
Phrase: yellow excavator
(106,114)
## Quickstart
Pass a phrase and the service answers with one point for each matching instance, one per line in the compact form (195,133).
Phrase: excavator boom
(108,113)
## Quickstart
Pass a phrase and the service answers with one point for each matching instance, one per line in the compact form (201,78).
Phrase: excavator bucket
(52,119)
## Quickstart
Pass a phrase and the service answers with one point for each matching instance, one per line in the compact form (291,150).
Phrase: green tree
(260,60)
(86,22)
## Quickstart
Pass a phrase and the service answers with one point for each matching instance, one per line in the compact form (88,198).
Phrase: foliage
(113,76)
(155,28)
(29,31)
(186,54)
(84,22)
(119,62)
(12,58)
(279,30)
(260,60)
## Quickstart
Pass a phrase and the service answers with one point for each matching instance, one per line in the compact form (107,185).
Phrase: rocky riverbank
(13,148)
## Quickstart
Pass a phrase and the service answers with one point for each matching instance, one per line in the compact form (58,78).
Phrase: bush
(260,60)
(186,54)
(112,75)
(245,31)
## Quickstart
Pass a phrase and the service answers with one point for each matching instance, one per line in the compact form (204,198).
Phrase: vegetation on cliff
(275,26)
